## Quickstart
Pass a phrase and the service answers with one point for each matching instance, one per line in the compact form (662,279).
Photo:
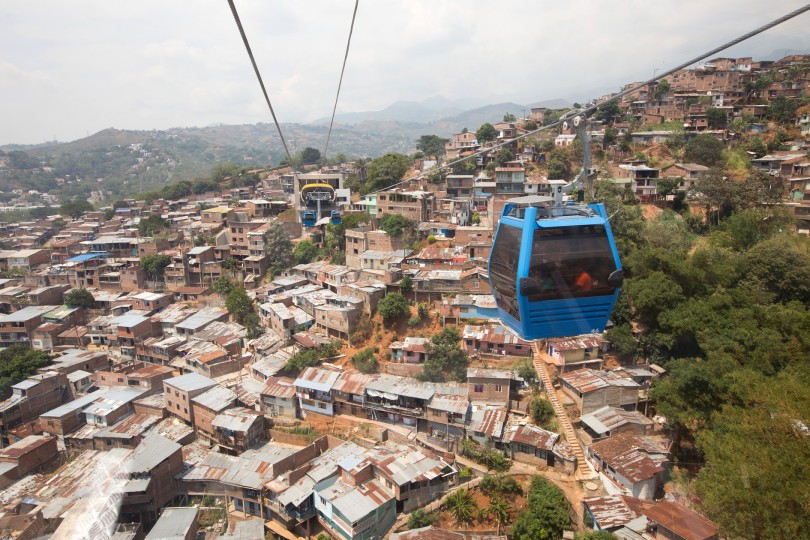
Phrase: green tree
(486,133)
(239,304)
(717,118)
(600,535)
(541,411)
(611,136)
(607,112)
(365,361)
(395,224)
(278,247)
(310,155)
(662,89)
(461,506)
(221,171)
(500,511)
(705,150)
(385,171)
(509,117)
(754,484)
(151,225)
(546,515)
(504,155)
(445,357)
(18,362)
(80,298)
(559,166)
(431,145)
(305,251)
(406,285)
(155,264)
(75,208)
(782,110)
(653,294)
(223,286)
(666,186)
(393,306)
(419,518)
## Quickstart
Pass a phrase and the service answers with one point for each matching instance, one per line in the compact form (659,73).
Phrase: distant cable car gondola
(308,219)
(554,269)
(335,218)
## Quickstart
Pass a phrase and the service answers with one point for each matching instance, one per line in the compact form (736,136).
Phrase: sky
(70,69)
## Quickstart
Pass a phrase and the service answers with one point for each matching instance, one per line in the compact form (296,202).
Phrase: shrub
(414,321)
(365,361)
(420,518)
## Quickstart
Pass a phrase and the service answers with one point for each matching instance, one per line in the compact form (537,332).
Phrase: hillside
(124,162)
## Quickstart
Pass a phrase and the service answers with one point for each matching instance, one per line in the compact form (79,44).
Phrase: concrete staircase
(584,472)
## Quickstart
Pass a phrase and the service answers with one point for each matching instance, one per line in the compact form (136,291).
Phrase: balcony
(416,412)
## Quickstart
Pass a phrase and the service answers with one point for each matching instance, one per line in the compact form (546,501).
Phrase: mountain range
(125,162)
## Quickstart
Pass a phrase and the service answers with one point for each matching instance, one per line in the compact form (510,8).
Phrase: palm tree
(500,511)
(461,506)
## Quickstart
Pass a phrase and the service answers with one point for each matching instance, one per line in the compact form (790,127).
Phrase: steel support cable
(588,110)
(259,76)
(340,81)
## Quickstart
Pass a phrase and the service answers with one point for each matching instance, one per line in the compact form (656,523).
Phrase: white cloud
(69,68)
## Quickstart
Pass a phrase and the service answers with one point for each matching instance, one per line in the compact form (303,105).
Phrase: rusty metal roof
(282,387)
(609,512)
(353,382)
(680,520)
(531,435)
(634,457)
(587,380)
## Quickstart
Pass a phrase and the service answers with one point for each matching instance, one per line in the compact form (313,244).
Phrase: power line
(340,82)
(588,110)
(259,76)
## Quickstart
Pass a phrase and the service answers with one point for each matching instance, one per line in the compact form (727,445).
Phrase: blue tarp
(87,256)
(482,194)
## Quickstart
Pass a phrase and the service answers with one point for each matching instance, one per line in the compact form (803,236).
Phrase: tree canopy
(155,264)
(305,251)
(445,357)
(75,208)
(486,133)
(431,145)
(546,515)
(393,306)
(310,155)
(395,224)
(385,171)
(80,298)
(18,362)
(705,150)
(278,247)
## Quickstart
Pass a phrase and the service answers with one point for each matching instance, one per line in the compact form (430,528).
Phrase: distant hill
(125,162)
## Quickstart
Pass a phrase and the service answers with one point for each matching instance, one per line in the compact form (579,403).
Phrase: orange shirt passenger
(584,282)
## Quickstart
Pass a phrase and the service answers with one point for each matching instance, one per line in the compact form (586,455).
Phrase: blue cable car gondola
(335,217)
(308,219)
(554,269)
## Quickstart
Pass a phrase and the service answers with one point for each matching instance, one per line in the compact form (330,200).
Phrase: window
(478,388)
(503,268)
(498,388)
(185,410)
(560,256)
(476,284)
(321,405)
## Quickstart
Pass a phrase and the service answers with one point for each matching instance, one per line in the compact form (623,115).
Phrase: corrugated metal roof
(317,379)
(587,380)
(634,457)
(451,404)
(608,418)
(217,398)
(237,419)
(609,512)
(173,524)
(152,451)
(190,382)
(531,435)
